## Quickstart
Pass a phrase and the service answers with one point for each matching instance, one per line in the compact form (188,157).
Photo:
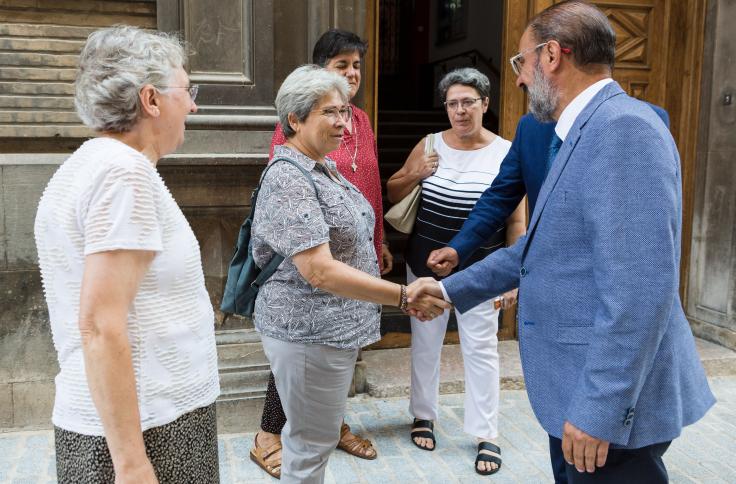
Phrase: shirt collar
(576,106)
(283,151)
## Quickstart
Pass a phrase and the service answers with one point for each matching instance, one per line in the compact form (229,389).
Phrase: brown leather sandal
(260,456)
(354,445)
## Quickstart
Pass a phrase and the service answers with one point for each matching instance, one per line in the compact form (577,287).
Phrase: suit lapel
(566,150)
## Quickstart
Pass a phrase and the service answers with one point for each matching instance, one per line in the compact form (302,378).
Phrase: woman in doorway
(466,159)
(356,158)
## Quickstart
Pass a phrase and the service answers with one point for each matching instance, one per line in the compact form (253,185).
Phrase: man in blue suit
(522,172)
(609,359)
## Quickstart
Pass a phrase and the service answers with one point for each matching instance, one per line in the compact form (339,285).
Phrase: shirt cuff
(444,293)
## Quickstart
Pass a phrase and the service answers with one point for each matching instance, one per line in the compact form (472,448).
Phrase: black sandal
(493,459)
(423,434)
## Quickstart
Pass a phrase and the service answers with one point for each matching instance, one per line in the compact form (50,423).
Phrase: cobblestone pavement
(704,453)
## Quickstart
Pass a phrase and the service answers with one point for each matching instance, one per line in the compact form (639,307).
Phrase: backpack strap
(270,268)
(263,175)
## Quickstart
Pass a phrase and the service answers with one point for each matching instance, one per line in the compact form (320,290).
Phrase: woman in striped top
(465,160)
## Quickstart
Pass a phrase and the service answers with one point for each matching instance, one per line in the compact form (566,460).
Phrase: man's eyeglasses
(518,60)
(466,103)
(193,89)
(346,113)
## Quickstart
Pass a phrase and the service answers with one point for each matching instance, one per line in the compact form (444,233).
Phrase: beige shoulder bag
(402,215)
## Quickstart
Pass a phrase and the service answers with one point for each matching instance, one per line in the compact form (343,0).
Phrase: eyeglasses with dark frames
(466,103)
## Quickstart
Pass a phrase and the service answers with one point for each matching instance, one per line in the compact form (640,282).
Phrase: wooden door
(658,59)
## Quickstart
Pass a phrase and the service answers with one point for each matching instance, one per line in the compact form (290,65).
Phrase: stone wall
(711,301)
(211,176)
(38,128)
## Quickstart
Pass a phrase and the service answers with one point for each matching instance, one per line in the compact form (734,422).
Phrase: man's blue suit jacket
(522,173)
(604,341)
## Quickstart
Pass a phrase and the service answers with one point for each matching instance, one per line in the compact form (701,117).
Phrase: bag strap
(270,268)
(273,162)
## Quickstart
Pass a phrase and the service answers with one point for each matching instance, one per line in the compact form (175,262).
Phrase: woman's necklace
(354,134)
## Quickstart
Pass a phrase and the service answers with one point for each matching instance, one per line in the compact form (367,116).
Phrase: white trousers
(313,382)
(479,345)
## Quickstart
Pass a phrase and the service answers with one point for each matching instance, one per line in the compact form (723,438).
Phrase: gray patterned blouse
(291,218)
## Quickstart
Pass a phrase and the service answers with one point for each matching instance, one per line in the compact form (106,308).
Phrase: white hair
(115,63)
(302,90)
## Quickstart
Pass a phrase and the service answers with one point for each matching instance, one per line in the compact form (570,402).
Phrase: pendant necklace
(355,151)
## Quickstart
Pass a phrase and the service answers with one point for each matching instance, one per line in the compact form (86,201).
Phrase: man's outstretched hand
(425,299)
(443,261)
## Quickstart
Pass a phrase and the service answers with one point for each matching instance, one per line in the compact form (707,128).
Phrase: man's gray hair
(302,90)
(466,76)
(114,65)
(581,27)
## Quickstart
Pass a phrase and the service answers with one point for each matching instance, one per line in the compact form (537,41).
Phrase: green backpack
(244,277)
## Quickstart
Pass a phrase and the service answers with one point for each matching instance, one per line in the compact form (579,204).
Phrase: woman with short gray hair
(131,319)
(462,164)
(324,301)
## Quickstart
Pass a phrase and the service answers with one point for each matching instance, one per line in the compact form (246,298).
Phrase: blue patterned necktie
(554,147)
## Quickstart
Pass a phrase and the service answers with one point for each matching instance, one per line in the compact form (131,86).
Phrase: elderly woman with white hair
(131,320)
(324,301)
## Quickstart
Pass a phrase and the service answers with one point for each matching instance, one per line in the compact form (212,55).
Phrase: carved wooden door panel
(641,47)
(659,49)
(642,32)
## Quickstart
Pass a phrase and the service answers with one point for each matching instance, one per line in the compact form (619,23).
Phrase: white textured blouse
(108,196)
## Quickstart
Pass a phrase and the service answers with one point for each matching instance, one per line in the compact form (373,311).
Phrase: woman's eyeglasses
(346,113)
(466,103)
(193,89)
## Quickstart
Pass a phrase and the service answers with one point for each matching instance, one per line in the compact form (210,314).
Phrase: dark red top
(361,143)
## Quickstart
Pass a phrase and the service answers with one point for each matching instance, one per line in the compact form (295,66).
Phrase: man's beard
(543,97)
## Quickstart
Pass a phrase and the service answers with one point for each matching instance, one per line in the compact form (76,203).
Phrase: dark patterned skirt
(183,451)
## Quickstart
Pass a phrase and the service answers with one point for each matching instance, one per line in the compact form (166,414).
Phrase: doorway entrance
(419,42)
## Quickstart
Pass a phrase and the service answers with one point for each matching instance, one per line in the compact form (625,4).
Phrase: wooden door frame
(682,97)
(370,84)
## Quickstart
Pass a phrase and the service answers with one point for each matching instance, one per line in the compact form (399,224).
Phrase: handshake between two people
(443,261)
(425,299)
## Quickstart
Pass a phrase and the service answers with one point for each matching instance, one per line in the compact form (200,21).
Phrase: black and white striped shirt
(449,195)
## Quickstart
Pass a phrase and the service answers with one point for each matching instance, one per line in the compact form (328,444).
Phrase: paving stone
(704,453)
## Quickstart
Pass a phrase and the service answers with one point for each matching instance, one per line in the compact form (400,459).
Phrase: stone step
(24,74)
(62,32)
(35,59)
(437,115)
(244,379)
(402,141)
(239,415)
(76,12)
(388,372)
(37,102)
(244,373)
(35,44)
(45,117)
(37,88)
(410,127)
(45,131)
